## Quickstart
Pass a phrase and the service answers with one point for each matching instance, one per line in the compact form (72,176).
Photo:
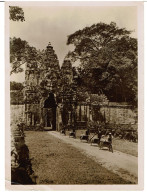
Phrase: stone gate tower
(41,79)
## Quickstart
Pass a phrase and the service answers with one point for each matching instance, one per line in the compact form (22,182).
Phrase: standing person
(87,132)
(64,130)
(99,135)
(74,132)
(110,142)
(110,138)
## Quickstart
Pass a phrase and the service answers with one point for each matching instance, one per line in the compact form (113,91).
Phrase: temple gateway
(52,101)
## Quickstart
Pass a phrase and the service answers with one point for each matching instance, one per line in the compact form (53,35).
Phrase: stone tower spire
(51,66)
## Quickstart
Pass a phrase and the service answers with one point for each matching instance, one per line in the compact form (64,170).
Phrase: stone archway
(49,110)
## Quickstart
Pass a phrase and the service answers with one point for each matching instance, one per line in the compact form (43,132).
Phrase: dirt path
(125,165)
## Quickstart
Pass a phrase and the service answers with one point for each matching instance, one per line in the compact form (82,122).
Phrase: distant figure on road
(99,135)
(110,138)
(87,132)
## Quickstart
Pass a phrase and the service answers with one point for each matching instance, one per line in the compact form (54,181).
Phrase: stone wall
(116,115)
(123,114)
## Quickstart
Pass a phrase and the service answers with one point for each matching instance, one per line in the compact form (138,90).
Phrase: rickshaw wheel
(100,145)
(110,148)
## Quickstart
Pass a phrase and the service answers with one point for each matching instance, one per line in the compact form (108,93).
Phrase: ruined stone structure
(51,99)
(41,79)
(45,82)
(118,114)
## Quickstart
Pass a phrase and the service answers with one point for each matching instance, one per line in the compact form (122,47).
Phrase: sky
(44,24)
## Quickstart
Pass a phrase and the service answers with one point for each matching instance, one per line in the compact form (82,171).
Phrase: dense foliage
(16,86)
(20,53)
(16,93)
(108,61)
(16,13)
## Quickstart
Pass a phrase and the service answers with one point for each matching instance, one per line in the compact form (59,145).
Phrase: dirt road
(124,165)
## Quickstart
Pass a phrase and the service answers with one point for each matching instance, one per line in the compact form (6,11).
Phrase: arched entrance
(49,110)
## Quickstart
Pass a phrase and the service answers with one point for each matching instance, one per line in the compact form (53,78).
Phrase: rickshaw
(72,134)
(104,143)
(85,136)
(63,132)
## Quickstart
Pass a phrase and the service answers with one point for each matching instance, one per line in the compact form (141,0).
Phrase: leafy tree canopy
(16,86)
(108,60)
(20,53)
(16,13)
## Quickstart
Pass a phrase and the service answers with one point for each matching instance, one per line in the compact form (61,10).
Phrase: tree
(17,54)
(92,41)
(119,77)
(20,53)
(16,13)
(16,86)
(17,46)
(108,60)
(16,93)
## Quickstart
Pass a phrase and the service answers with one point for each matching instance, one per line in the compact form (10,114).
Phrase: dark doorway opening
(50,109)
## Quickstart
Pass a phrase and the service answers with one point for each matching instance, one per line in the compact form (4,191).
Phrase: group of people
(102,137)
(99,134)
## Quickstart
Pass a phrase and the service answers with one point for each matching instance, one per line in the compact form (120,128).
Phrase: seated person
(73,133)
(103,139)
(84,136)
(63,131)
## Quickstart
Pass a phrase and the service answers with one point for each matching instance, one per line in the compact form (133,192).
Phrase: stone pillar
(90,113)
(33,119)
(69,117)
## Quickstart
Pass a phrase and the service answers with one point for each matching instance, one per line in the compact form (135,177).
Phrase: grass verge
(56,162)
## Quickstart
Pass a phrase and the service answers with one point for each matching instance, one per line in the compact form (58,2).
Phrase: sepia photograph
(73,73)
